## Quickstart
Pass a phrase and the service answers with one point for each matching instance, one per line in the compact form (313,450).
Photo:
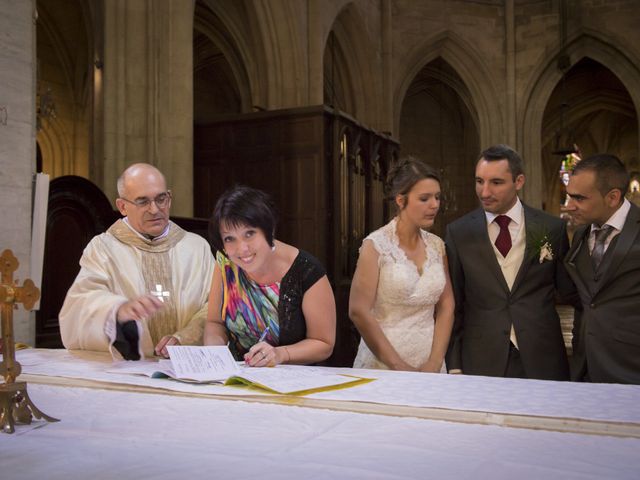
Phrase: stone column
(17,142)
(532,191)
(510,64)
(148,93)
(315,39)
(387,66)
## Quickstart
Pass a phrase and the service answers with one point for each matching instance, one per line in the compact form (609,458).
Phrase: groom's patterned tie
(598,249)
(503,242)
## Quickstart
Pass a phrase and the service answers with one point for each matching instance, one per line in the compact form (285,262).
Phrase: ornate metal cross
(15,405)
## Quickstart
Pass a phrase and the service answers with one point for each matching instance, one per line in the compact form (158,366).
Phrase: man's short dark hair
(609,170)
(243,206)
(504,152)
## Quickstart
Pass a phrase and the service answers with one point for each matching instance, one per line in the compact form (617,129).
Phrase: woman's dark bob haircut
(243,206)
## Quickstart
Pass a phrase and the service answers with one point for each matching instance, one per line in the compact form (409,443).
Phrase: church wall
(480,28)
(589,33)
(436,128)
(538,36)
(64,71)
(17,142)
(423,31)
(148,93)
(503,51)
(282,43)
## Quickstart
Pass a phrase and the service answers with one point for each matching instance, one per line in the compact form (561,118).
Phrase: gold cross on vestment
(159,293)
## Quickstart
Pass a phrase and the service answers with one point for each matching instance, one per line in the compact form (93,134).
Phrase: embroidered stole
(156,270)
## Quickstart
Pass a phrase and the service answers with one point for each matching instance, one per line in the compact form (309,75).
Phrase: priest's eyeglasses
(161,200)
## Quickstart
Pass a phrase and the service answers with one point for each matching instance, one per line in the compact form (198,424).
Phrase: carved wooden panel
(77,211)
(278,152)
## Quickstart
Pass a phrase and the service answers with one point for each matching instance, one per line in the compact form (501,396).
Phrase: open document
(215,364)
(202,364)
(210,364)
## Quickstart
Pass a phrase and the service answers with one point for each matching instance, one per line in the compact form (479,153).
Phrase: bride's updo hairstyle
(405,174)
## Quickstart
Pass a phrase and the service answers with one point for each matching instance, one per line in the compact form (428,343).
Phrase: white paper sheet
(202,364)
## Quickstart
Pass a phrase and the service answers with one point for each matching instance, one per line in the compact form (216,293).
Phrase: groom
(505,261)
(604,261)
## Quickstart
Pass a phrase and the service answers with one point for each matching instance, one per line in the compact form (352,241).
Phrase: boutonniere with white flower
(546,252)
(539,246)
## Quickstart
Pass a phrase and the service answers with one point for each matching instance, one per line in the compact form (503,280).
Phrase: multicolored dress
(248,307)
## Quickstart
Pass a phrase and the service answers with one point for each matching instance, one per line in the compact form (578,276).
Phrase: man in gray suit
(604,262)
(505,261)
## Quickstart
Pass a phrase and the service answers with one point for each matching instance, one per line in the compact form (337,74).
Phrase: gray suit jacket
(486,308)
(607,335)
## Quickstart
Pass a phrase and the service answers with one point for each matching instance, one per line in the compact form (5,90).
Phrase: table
(123,430)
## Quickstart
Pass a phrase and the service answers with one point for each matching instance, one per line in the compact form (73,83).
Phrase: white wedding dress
(405,300)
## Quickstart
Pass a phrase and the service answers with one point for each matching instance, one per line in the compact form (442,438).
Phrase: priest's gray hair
(120,185)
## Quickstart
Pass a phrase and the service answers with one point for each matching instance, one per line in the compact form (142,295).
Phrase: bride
(401,299)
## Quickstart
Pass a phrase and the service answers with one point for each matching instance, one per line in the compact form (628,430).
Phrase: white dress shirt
(510,265)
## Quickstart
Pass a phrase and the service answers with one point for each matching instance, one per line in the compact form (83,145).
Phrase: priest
(144,283)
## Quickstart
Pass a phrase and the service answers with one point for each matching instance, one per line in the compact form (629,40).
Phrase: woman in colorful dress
(401,299)
(271,302)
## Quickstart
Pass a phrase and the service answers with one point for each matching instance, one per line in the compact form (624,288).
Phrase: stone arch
(587,44)
(55,148)
(65,44)
(356,65)
(600,117)
(283,53)
(439,125)
(463,58)
(223,29)
(338,89)
(584,107)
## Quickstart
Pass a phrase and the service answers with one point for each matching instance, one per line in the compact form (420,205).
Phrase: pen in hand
(264,335)
(249,355)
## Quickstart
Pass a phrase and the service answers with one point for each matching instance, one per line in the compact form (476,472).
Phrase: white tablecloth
(168,432)
(587,401)
(111,434)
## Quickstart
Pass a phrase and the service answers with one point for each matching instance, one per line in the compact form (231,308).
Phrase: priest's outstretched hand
(139,308)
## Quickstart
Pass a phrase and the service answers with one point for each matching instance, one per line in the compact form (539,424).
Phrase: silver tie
(598,249)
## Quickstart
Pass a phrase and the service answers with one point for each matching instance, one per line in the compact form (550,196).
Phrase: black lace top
(305,271)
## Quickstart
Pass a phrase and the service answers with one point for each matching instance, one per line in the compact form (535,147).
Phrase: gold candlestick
(15,404)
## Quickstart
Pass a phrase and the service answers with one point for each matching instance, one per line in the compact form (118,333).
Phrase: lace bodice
(405,299)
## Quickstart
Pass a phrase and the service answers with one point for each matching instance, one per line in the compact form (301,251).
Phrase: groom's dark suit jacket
(606,342)
(486,308)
